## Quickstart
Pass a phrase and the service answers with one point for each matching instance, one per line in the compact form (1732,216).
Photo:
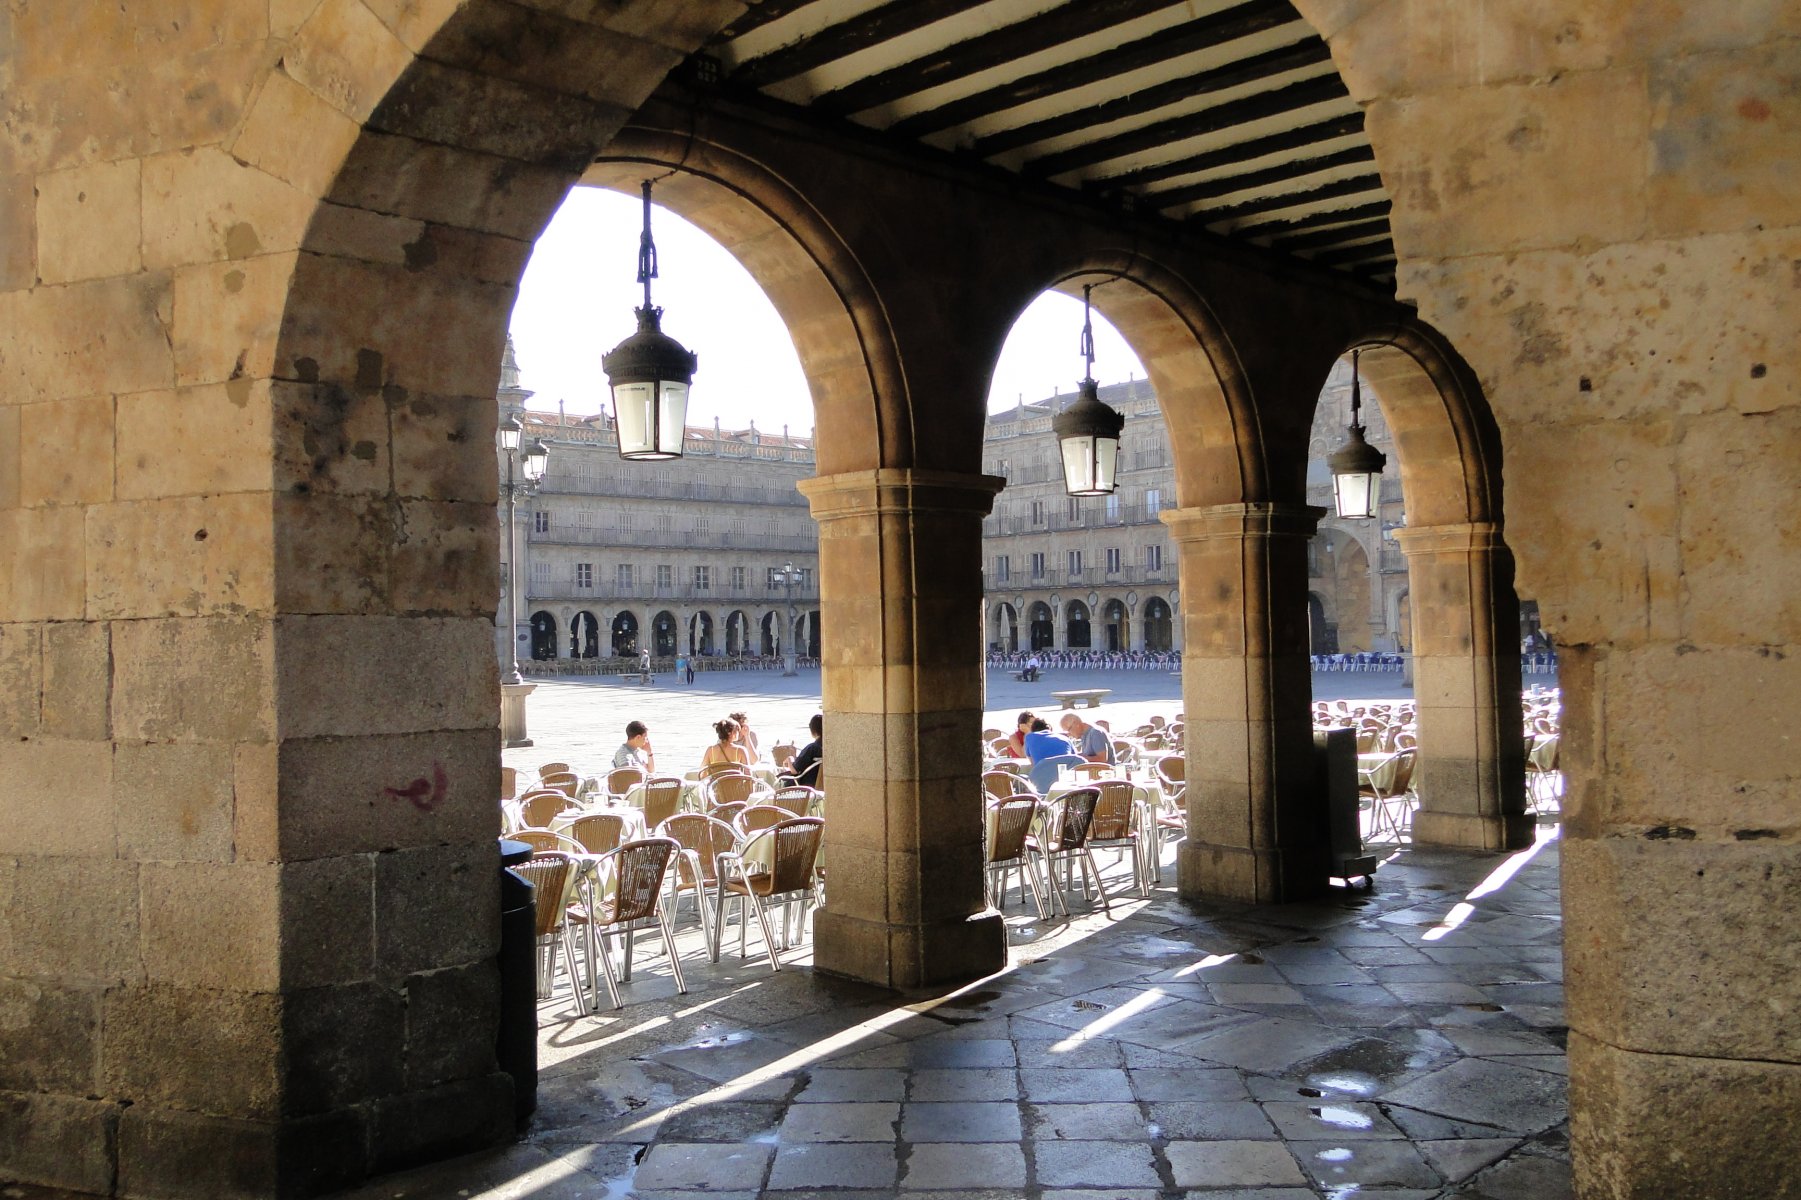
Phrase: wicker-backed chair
(791,851)
(1065,840)
(727,812)
(999,747)
(999,784)
(662,799)
(545,841)
(1115,826)
(991,733)
(552,877)
(703,839)
(1091,770)
(754,818)
(723,768)
(553,768)
(537,808)
(509,782)
(636,871)
(728,787)
(598,833)
(1386,785)
(1010,824)
(563,781)
(798,800)
(781,752)
(621,780)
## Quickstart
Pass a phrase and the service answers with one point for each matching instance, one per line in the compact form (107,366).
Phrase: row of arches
(1073,625)
(736,634)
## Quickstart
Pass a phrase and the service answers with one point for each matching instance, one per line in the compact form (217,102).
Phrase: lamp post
(522,480)
(789,574)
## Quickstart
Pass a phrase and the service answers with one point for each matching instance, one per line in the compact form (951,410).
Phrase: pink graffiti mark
(424,794)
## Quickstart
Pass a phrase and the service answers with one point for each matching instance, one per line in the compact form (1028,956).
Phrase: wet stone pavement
(1403,1043)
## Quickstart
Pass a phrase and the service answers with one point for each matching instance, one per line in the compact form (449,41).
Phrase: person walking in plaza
(644,665)
(684,667)
(636,751)
(1092,742)
(726,749)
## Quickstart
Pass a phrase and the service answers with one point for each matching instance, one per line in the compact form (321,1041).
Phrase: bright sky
(576,301)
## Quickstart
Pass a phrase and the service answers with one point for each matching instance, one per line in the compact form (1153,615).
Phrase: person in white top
(747,737)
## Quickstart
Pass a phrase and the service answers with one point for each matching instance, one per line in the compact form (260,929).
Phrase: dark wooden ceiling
(1229,116)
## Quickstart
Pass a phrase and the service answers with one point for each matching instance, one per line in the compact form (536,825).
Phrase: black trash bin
(516,1046)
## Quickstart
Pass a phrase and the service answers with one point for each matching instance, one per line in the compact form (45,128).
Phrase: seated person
(1030,674)
(1041,743)
(727,749)
(1091,741)
(803,768)
(1016,741)
(636,751)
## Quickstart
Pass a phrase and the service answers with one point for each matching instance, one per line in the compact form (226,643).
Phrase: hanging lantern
(1088,430)
(1356,466)
(649,373)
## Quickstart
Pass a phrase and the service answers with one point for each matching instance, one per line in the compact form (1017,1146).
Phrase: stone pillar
(1466,664)
(1253,832)
(513,732)
(1059,628)
(903,702)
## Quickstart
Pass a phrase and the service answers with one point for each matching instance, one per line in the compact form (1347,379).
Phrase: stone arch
(544,635)
(1158,625)
(811,278)
(624,639)
(737,633)
(700,633)
(1321,637)
(1116,626)
(1078,625)
(1006,628)
(663,640)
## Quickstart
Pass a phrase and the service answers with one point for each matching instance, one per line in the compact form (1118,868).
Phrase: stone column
(1254,829)
(1466,671)
(903,705)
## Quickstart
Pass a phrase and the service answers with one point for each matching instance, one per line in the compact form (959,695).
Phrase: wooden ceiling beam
(1355,254)
(1259,107)
(1204,33)
(1337,216)
(1346,125)
(1254,69)
(1324,238)
(757,16)
(1244,182)
(1046,31)
(880,24)
(1329,191)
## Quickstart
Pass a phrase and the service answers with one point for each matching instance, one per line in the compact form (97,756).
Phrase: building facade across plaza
(685,557)
(1098,575)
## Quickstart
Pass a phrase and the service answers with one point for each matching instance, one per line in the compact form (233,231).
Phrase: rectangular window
(1113,507)
(665,523)
(1075,564)
(1000,568)
(1153,558)
(737,579)
(665,575)
(703,579)
(584,518)
(584,575)
(1038,565)
(622,575)
(1037,512)
(1112,560)
(541,521)
(702,525)
(540,573)
(1153,501)
(806,579)
(1074,509)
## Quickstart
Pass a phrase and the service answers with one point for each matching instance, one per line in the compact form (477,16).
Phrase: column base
(1205,871)
(1473,831)
(903,957)
(512,714)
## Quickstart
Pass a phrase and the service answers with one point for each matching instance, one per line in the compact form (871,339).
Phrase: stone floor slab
(1095,1164)
(962,1122)
(834,1165)
(1232,1165)
(1489,1092)
(992,1165)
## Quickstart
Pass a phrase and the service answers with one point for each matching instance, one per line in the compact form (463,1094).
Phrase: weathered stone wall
(1600,205)
(251,309)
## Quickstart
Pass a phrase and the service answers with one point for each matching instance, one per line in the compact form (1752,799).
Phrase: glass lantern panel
(632,414)
(672,418)
(1355,494)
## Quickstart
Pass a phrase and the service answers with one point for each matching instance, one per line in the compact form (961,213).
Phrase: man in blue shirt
(1091,741)
(1041,743)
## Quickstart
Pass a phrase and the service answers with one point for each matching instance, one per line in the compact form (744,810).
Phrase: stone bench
(638,676)
(1091,697)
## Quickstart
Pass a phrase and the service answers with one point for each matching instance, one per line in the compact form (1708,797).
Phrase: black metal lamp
(1088,430)
(1357,465)
(649,373)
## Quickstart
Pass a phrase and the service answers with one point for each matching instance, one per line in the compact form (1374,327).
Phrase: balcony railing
(1059,521)
(569,483)
(718,539)
(568,593)
(1087,577)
